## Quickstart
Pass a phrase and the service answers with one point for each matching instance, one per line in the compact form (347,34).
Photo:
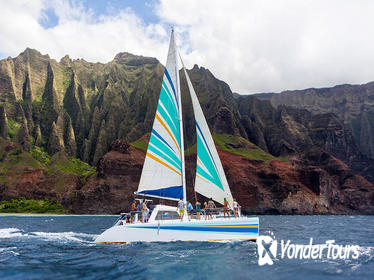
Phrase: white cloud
(78,33)
(253,45)
(261,45)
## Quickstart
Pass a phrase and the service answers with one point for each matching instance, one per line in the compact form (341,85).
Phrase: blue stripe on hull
(209,229)
(172,192)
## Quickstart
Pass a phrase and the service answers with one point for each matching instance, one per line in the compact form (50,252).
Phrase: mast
(180,122)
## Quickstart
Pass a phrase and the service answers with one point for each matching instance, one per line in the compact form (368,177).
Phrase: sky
(253,45)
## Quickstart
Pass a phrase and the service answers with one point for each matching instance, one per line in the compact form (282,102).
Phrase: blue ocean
(62,248)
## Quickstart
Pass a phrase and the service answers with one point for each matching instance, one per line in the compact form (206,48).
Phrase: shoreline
(53,215)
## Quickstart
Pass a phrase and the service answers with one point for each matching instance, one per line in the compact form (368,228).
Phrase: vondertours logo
(267,249)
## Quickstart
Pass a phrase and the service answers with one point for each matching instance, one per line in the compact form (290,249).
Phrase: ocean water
(63,248)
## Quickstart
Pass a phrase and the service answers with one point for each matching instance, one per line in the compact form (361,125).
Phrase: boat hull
(221,229)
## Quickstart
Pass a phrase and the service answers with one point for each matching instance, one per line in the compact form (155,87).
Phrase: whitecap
(366,251)
(68,236)
(7,249)
(10,232)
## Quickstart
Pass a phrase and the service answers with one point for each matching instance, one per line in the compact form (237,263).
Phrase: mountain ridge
(80,108)
(353,104)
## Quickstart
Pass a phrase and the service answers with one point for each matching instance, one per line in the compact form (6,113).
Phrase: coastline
(52,215)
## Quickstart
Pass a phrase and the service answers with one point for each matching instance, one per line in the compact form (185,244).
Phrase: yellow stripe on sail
(199,160)
(168,131)
(163,163)
(204,179)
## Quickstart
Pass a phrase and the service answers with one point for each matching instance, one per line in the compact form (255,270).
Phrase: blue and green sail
(162,169)
(210,178)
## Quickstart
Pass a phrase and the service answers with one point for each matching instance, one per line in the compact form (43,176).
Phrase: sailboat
(163,176)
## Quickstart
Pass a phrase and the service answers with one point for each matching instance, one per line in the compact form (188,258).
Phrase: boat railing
(216,212)
(132,217)
(137,215)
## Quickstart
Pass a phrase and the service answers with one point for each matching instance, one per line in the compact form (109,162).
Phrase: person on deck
(190,209)
(198,209)
(206,210)
(144,212)
(132,213)
(236,206)
(211,206)
(181,208)
(226,206)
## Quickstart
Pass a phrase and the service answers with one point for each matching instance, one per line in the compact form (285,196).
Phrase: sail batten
(162,174)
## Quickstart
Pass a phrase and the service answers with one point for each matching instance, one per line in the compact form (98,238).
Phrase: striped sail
(162,170)
(210,177)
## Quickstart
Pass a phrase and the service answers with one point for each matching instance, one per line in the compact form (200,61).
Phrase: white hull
(218,229)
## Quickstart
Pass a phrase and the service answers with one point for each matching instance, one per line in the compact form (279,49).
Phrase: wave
(71,236)
(368,251)
(63,236)
(10,232)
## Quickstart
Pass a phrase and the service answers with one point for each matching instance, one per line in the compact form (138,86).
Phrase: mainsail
(163,169)
(210,177)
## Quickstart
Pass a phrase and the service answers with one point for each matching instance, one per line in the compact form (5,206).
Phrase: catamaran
(163,176)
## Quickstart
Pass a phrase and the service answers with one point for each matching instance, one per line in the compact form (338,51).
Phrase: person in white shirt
(236,206)
(144,212)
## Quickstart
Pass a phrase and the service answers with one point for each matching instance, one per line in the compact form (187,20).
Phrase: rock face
(318,183)
(27,177)
(353,104)
(118,174)
(3,123)
(321,184)
(56,142)
(286,131)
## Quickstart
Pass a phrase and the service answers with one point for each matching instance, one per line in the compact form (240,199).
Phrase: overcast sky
(254,46)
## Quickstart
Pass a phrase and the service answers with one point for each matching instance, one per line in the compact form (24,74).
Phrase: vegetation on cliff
(240,146)
(23,205)
(141,143)
(71,166)
(15,162)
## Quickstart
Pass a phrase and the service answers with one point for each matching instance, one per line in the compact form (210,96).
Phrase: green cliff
(62,118)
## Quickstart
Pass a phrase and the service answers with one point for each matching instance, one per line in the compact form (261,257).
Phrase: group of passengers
(208,209)
(137,208)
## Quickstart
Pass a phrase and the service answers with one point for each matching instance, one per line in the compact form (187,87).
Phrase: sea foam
(63,236)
